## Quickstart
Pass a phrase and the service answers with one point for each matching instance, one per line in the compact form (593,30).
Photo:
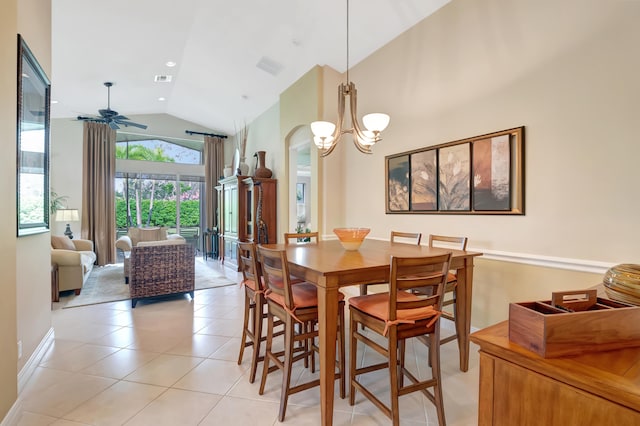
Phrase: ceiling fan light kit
(111,117)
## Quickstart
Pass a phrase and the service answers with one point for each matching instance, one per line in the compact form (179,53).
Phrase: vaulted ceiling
(232,58)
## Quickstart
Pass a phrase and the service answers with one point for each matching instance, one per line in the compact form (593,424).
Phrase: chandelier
(326,134)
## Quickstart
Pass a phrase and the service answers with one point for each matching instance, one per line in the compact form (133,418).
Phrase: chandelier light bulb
(376,122)
(322,129)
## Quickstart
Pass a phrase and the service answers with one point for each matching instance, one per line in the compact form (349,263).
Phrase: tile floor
(173,362)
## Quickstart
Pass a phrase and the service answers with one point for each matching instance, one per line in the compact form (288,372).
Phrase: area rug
(106,284)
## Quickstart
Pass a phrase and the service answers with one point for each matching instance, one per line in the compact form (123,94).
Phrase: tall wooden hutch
(240,198)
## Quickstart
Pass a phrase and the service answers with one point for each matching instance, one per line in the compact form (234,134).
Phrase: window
(158,183)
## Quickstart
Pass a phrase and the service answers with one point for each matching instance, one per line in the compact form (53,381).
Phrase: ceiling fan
(111,117)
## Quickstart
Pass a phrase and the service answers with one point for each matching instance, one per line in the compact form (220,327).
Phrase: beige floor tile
(299,415)
(223,327)
(176,407)
(230,350)
(59,348)
(63,422)
(79,358)
(212,376)
(33,419)
(62,397)
(115,405)
(84,331)
(120,338)
(120,364)
(164,370)
(199,345)
(233,411)
(156,340)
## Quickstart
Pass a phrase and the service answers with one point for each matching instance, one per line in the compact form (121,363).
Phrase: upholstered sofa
(145,236)
(158,269)
(75,259)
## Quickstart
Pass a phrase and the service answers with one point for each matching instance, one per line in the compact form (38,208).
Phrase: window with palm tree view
(158,183)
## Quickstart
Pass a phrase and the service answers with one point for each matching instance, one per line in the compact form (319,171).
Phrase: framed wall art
(32,144)
(478,175)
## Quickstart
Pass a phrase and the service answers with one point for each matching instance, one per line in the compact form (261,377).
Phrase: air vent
(162,78)
(269,65)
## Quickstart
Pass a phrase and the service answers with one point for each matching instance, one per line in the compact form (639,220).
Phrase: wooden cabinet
(239,197)
(518,387)
(260,196)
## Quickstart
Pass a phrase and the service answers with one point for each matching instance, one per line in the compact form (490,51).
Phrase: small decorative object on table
(573,323)
(622,282)
(261,170)
(351,238)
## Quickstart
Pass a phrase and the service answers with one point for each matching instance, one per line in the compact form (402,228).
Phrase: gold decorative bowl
(622,282)
(351,238)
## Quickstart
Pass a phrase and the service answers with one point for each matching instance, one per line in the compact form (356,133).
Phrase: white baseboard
(15,413)
(13,416)
(34,360)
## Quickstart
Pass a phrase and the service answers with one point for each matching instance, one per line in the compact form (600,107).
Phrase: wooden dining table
(330,267)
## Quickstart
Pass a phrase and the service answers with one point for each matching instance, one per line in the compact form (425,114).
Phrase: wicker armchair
(158,270)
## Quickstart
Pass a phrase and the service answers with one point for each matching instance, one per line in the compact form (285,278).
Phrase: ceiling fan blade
(94,119)
(131,123)
(113,125)
(120,117)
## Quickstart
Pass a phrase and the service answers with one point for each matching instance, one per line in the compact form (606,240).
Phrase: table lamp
(67,215)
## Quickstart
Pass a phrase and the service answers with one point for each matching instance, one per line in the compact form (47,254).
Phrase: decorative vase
(261,170)
(244,167)
(227,171)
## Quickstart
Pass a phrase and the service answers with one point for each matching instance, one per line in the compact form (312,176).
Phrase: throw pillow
(58,242)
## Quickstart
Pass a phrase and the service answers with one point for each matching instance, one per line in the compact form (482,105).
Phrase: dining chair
(398,315)
(450,294)
(300,237)
(397,237)
(254,303)
(293,304)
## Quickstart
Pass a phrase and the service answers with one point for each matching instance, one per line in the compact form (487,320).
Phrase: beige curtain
(98,192)
(213,166)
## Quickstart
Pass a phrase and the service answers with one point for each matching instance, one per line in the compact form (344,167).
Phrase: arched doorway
(303,181)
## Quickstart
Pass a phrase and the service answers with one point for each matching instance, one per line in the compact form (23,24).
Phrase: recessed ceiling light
(170,64)
(162,78)
(161,99)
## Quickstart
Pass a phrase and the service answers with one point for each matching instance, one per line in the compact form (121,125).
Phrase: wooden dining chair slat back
(397,237)
(399,315)
(450,293)
(301,237)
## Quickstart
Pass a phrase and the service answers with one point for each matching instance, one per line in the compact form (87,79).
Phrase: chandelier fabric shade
(326,134)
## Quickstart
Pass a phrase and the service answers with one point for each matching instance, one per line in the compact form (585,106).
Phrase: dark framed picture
(33,100)
(424,181)
(398,183)
(477,175)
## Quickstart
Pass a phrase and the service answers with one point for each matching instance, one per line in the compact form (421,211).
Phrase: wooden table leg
(463,311)
(328,314)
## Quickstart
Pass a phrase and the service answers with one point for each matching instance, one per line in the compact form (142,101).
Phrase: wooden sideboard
(518,387)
